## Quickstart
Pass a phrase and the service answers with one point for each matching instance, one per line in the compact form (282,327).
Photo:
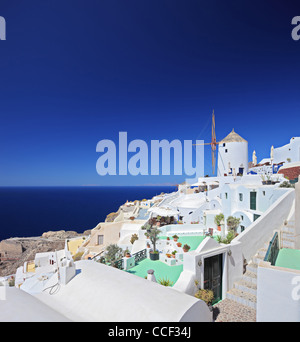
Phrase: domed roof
(233,137)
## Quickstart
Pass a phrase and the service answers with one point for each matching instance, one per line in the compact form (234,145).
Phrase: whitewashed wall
(278,294)
(254,237)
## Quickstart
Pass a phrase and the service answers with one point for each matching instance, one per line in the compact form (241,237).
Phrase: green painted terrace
(162,270)
(288,258)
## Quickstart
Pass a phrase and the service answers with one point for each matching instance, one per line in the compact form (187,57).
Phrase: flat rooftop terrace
(192,241)
(161,270)
(288,258)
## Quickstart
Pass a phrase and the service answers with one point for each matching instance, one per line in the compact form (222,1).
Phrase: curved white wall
(237,155)
(102,293)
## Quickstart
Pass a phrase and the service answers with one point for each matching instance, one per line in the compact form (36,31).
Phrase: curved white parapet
(105,294)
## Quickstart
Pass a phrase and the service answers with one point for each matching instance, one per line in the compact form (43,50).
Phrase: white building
(248,201)
(233,155)
(280,156)
(47,269)
(288,153)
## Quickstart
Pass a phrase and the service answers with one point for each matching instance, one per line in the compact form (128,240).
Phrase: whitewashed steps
(242,297)
(244,291)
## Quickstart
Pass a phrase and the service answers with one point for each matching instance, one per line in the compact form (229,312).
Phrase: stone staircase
(244,291)
(288,235)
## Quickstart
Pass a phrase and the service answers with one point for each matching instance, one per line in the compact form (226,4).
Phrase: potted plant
(233,223)
(218,220)
(174,254)
(158,219)
(168,238)
(175,237)
(133,238)
(186,248)
(207,296)
(153,236)
(179,244)
(168,255)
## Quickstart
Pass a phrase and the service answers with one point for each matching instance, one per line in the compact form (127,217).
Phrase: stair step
(290,245)
(262,252)
(291,223)
(250,277)
(252,267)
(288,230)
(287,235)
(246,286)
(242,297)
(290,238)
(258,258)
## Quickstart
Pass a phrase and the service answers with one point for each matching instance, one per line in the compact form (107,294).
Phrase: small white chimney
(151,276)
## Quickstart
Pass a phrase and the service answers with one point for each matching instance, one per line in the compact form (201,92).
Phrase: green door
(253,200)
(213,276)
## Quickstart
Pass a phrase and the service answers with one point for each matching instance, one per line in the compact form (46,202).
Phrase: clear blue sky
(74,72)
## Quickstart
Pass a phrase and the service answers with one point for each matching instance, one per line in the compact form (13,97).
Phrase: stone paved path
(230,311)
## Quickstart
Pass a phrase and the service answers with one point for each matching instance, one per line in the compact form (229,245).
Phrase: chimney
(151,276)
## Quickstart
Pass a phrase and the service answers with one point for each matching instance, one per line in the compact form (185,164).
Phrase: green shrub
(233,223)
(206,295)
(286,184)
(134,237)
(227,240)
(218,219)
(165,282)
(113,253)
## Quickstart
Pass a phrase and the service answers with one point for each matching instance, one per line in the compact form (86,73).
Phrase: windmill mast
(213,143)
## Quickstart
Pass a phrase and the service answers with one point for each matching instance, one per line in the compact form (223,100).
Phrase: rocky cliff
(15,251)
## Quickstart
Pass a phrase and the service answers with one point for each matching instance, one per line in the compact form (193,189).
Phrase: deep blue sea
(31,211)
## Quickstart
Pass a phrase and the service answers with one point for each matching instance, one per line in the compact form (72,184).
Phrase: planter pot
(219,228)
(128,255)
(173,256)
(154,256)
(269,182)
(179,244)
(175,240)
(186,250)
